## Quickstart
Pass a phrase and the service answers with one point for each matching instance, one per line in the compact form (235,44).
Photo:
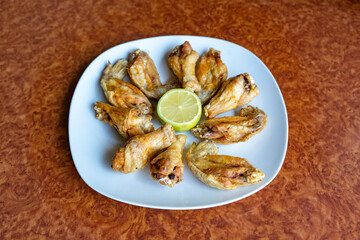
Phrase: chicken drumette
(168,167)
(220,171)
(234,92)
(227,130)
(120,93)
(182,61)
(140,149)
(127,121)
(143,74)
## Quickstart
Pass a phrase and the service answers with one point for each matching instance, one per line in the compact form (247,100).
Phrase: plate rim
(203,206)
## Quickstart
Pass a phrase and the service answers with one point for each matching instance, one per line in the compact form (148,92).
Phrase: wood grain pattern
(312,49)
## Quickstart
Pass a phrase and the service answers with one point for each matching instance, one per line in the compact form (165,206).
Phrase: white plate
(93,142)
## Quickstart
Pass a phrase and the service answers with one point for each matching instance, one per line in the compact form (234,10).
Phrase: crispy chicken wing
(227,130)
(127,121)
(211,72)
(168,167)
(220,171)
(234,92)
(143,74)
(120,93)
(140,149)
(182,61)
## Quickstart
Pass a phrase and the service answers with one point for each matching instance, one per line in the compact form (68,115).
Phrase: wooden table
(312,49)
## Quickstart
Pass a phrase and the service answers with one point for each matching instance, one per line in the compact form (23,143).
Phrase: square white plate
(93,143)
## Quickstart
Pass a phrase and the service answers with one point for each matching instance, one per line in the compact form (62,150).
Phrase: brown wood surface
(311,47)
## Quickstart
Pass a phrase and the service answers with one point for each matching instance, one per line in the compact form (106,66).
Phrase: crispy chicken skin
(139,150)
(182,61)
(227,130)
(234,92)
(144,75)
(168,167)
(120,93)
(220,171)
(127,121)
(211,72)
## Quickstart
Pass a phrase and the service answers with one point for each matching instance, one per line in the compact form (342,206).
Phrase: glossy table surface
(311,47)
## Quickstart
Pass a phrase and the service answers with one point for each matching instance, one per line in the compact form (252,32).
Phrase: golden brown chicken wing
(143,74)
(234,92)
(227,130)
(211,72)
(182,61)
(127,121)
(140,149)
(220,171)
(168,167)
(120,93)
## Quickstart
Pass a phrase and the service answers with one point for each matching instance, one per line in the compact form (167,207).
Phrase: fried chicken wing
(220,171)
(120,93)
(143,74)
(227,130)
(211,72)
(234,92)
(140,149)
(127,121)
(168,167)
(182,61)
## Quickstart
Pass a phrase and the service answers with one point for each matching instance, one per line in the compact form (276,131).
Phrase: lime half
(180,108)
